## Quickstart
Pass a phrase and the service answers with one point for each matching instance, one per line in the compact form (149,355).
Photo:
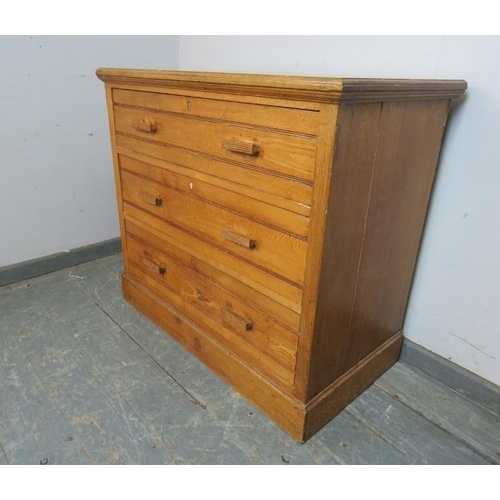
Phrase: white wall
(454,308)
(56,178)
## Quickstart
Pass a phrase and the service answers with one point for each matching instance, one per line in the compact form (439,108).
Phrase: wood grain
(316,247)
(290,194)
(372,249)
(307,88)
(268,344)
(277,252)
(247,294)
(268,284)
(352,170)
(335,397)
(225,196)
(278,116)
(278,152)
(283,102)
(116,169)
(217,303)
(246,146)
(408,150)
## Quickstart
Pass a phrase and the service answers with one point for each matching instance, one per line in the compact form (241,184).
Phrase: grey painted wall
(56,180)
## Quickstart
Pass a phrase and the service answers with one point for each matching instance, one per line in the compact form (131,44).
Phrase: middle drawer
(279,253)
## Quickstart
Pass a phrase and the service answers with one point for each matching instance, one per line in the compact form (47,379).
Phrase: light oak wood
(147,126)
(276,252)
(288,155)
(150,197)
(225,195)
(245,271)
(248,294)
(238,239)
(248,332)
(271,224)
(154,266)
(116,168)
(291,194)
(243,146)
(273,102)
(285,118)
(307,88)
(321,196)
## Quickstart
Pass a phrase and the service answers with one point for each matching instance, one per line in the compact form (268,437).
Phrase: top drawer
(281,153)
(303,121)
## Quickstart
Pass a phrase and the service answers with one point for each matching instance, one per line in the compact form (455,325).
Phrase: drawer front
(287,155)
(283,315)
(275,251)
(290,194)
(286,294)
(250,208)
(258,339)
(289,119)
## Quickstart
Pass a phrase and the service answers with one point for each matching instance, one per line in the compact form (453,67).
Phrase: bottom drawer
(265,344)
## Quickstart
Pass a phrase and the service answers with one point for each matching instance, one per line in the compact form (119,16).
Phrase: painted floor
(85,379)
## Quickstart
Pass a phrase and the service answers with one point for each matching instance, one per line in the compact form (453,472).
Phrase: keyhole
(189,105)
(190,185)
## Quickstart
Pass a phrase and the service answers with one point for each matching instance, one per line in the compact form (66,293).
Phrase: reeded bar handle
(243,241)
(151,198)
(244,146)
(158,268)
(147,126)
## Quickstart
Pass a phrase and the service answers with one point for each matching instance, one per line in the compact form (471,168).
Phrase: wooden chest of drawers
(271,224)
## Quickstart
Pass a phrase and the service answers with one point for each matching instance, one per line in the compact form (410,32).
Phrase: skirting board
(473,387)
(50,263)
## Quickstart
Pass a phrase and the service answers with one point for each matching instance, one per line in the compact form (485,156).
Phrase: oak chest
(271,224)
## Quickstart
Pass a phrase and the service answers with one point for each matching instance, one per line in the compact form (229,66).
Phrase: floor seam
(377,433)
(191,397)
(451,389)
(440,426)
(359,418)
(153,433)
(2,449)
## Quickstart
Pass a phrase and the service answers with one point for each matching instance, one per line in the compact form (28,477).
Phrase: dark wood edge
(401,85)
(278,406)
(477,389)
(307,88)
(323,407)
(55,262)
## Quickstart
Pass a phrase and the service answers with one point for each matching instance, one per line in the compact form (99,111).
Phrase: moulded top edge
(323,89)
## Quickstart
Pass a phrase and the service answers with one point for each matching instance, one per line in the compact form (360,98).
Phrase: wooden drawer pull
(244,146)
(237,321)
(158,268)
(151,198)
(147,126)
(238,239)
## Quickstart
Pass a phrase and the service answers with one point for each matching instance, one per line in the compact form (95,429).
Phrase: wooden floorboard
(467,422)
(420,440)
(84,378)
